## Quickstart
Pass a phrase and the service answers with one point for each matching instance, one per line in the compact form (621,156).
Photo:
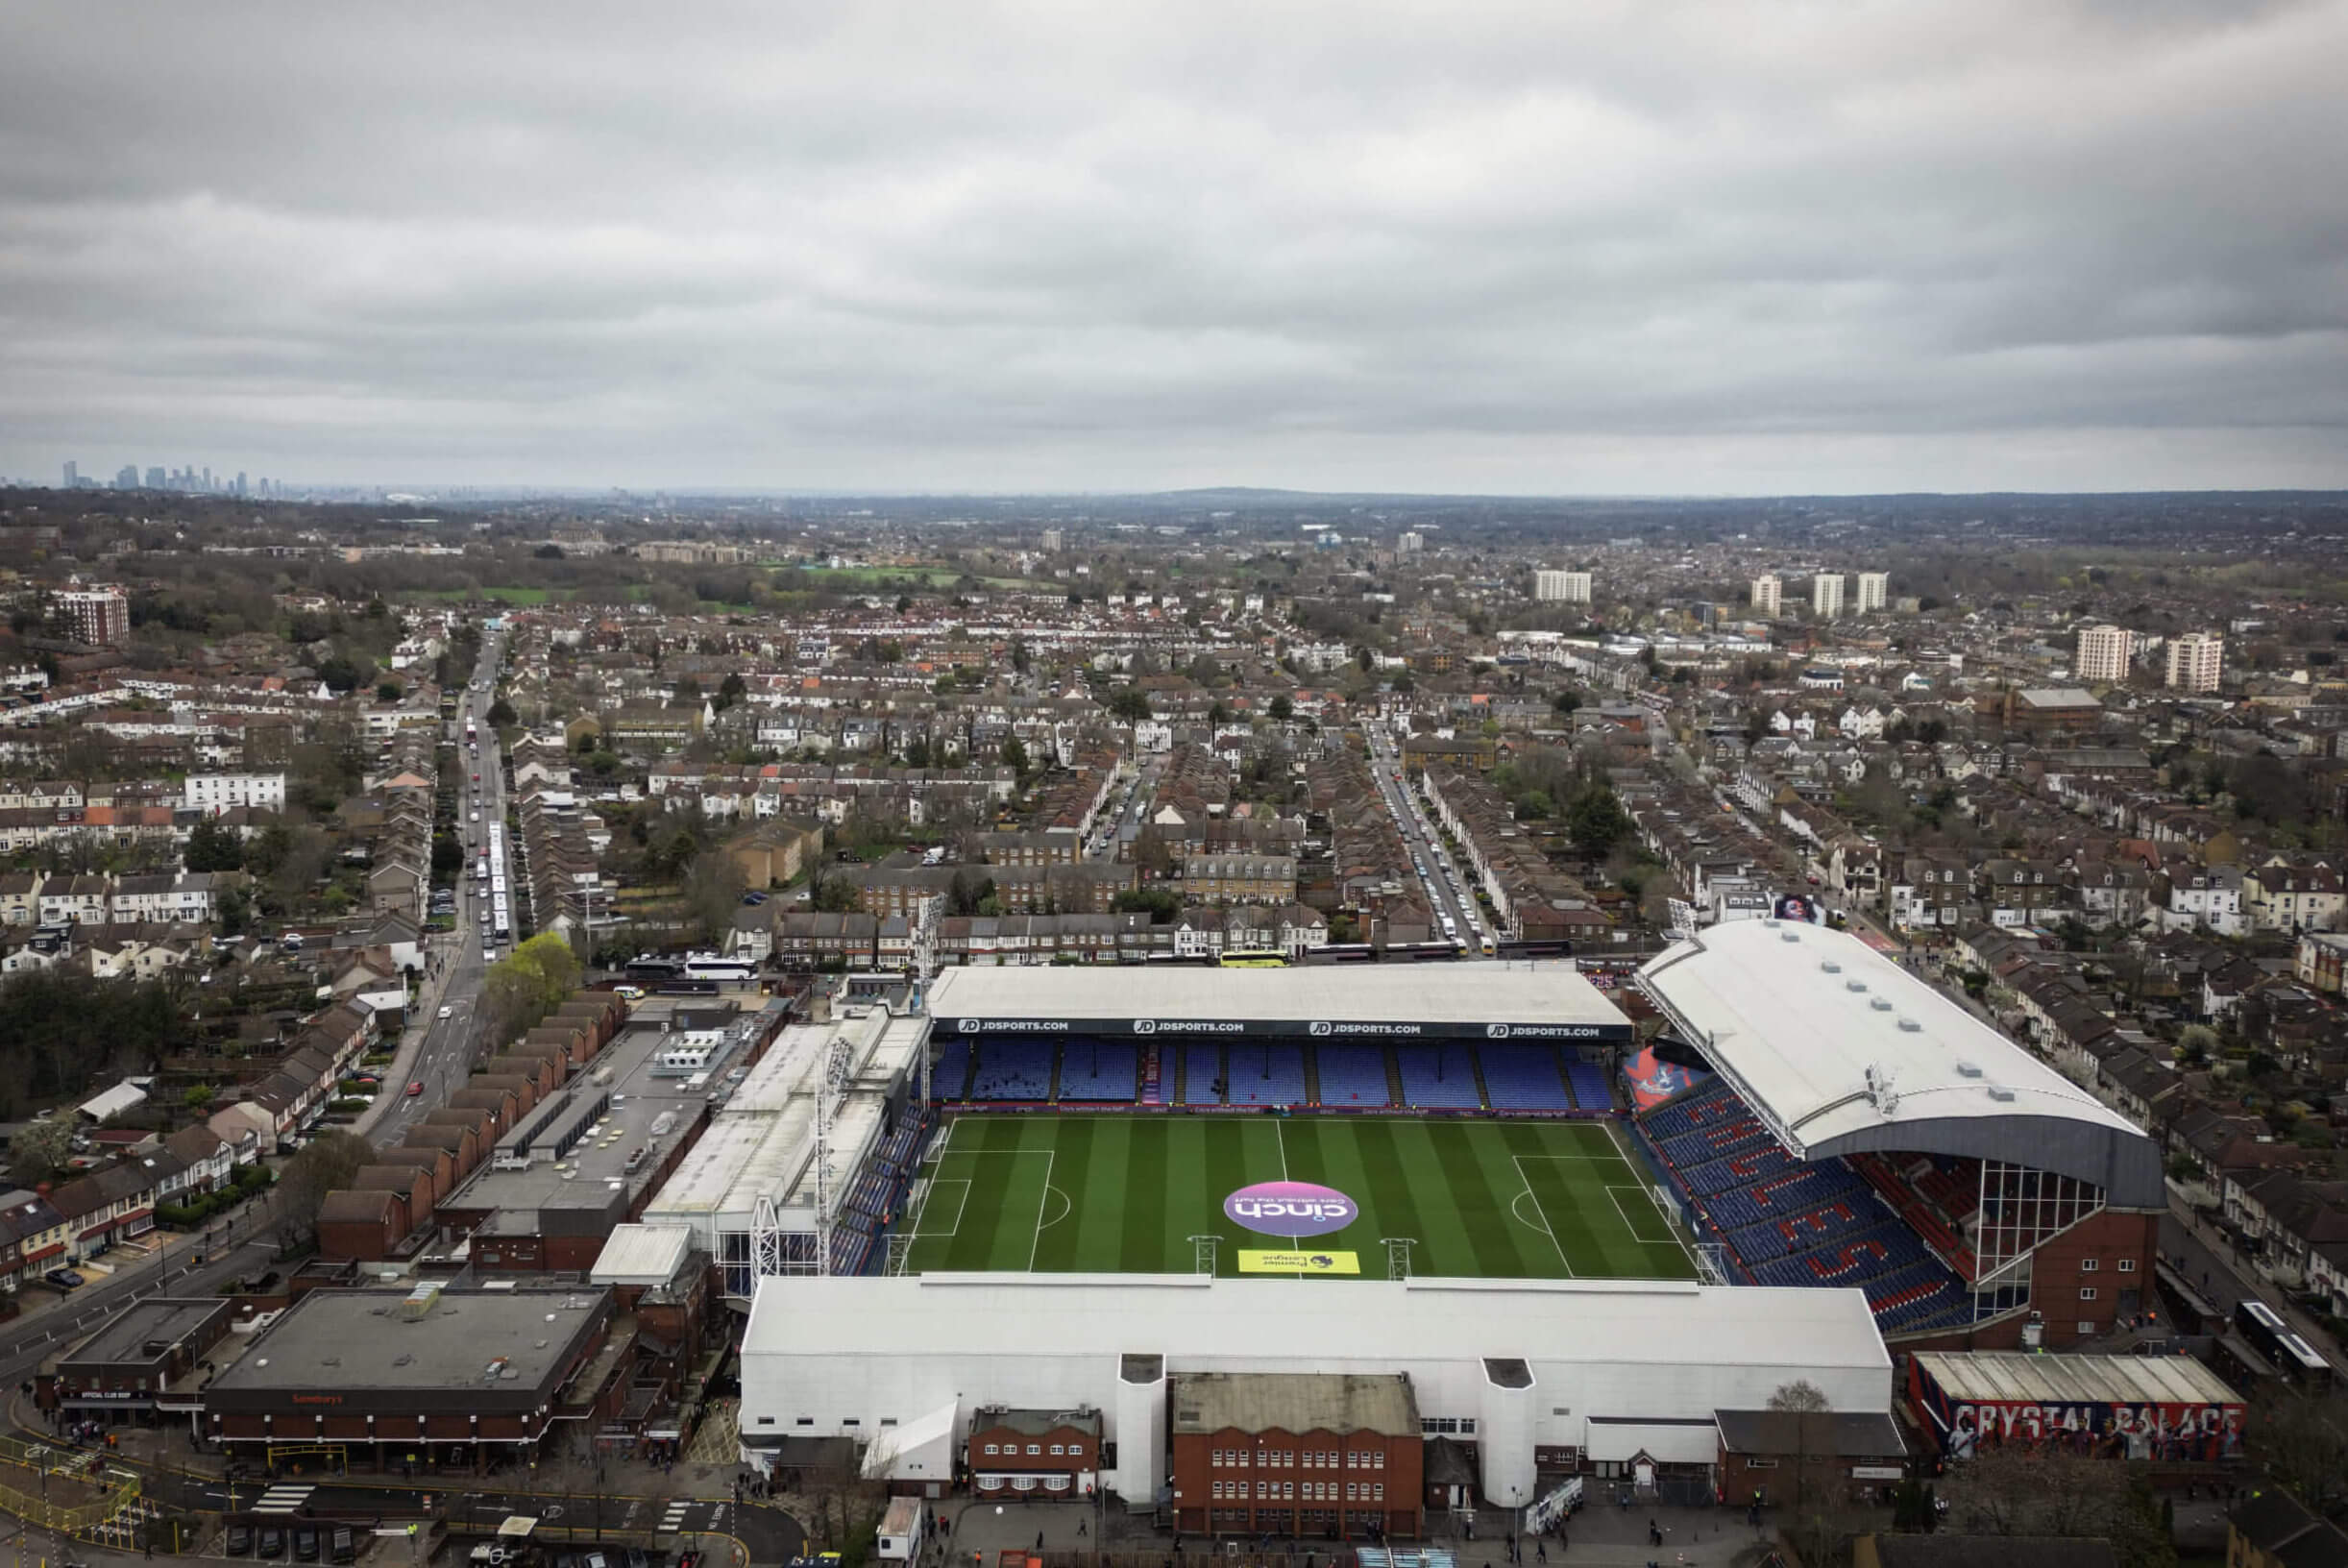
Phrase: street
(1443,883)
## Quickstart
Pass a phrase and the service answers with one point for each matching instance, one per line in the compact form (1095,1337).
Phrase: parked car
(272,1541)
(343,1544)
(65,1279)
(306,1543)
(239,1542)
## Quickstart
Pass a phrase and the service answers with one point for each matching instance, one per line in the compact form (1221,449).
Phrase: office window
(2088,1265)
(2126,1265)
(1378,1491)
(2087,1292)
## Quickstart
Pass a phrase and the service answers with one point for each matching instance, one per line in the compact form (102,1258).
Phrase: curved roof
(1808,1023)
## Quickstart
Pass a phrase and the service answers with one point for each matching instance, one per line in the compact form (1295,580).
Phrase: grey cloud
(1512,248)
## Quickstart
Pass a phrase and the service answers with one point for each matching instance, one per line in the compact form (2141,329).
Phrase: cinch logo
(1145,1027)
(1496,1031)
(1323,1029)
(1290,1209)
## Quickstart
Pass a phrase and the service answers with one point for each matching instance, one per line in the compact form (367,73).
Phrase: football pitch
(1126,1194)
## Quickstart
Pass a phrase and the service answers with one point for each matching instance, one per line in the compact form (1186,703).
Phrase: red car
(415,1089)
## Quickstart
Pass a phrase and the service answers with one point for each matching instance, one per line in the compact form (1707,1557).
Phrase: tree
(713,892)
(198,1099)
(212,847)
(1014,754)
(387,690)
(527,984)
(40,1149)
(329,1161)
(1596,821)
(1019,657)
(1281,708)
(1130,703)
(732,690)
(502,714)
(341,673)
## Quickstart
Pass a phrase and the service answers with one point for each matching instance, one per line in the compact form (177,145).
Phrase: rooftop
(1840,1049)
(1296,1402)
(128,1337)
(1530,1000)
(375,1340)
(2012,1376)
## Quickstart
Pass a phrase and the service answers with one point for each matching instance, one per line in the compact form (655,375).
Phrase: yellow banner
(1299,1262)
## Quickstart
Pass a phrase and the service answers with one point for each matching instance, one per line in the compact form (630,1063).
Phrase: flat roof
(1294,1402)
(505,1340)
(583,1177)
(2013,1377)
(1196,1317)
(1808,1023)
(645,1255)
(125,1336)
(1484,999)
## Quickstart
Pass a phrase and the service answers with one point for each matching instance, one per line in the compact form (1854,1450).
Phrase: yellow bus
(1251,958)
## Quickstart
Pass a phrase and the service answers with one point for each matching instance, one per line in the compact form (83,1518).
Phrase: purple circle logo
(1290,1209)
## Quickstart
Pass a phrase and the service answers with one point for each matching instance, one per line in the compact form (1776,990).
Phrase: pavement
(1605,1535)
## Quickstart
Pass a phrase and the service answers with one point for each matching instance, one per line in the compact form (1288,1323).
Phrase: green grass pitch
(1124,1194)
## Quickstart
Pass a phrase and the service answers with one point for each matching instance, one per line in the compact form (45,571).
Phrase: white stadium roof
(1840,1049)
(1200,1320)
(1493,1000)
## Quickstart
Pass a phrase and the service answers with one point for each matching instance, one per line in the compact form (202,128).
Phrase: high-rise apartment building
(73,475)
(2195,661)
(98,615)
(1412,543)
(1826,594)
(1561,587)
(1874,591)
(1051,541)
(126,478)
(1769,592)
(155,476)
(2104,652)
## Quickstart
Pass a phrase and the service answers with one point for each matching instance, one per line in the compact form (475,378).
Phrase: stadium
(1805,1157)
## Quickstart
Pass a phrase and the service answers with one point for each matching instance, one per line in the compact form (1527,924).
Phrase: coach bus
(711,967)
(2273,1338)
(1251,958)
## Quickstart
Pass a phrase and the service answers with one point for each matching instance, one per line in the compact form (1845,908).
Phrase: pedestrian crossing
(673,1520)
(285,1498)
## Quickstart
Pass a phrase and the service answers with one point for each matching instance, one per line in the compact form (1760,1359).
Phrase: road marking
(283,1499)
(1546,1226)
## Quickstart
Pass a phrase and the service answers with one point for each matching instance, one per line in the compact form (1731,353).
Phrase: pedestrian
(1038,1540)
(1080,1526)
(1540,1550)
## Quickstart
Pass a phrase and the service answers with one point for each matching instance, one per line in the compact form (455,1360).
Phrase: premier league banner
(1532,1029)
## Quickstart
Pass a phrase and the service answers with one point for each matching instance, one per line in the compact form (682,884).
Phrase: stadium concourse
(1850,1125)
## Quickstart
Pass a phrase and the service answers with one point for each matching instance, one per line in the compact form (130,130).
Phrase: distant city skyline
(1714,249)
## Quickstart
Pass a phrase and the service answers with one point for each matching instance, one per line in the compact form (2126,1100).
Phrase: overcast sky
(1558,247)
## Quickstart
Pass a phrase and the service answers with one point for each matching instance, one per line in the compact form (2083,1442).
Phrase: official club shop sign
(1278,1028)
(1292,1208)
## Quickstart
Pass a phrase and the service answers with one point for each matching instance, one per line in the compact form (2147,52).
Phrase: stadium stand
(949,1076)
(1593,1089)
(1200,1078)
(1352,1075)
(1524,1078)
(1438,1078)
(1014,1070)
(1098,1070)
(1826,1222)
(1263,1074)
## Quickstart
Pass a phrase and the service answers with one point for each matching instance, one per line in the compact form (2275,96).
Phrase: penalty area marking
(1544,1227)
(1667,1238)
(921,1230)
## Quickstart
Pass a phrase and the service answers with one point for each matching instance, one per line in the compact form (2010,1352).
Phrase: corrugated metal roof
(2013,1377)
(646,1254)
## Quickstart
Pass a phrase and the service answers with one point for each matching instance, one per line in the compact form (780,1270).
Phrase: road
(1444,881)
(1129,808)
(444,1060)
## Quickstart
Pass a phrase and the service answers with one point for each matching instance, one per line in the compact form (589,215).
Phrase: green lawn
(1124,1194)
(502,595)
(849,577)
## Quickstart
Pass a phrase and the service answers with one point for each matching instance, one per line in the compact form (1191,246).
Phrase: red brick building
(1035,1453)
(1304,1453)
